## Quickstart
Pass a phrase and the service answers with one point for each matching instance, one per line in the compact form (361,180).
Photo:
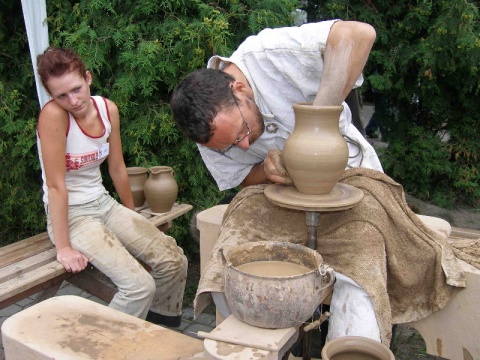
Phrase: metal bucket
(280,301)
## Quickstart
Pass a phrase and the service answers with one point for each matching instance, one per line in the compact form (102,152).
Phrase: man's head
(213,109)
(197,99)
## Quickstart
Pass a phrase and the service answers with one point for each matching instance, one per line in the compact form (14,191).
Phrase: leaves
(137,52)
(425,61)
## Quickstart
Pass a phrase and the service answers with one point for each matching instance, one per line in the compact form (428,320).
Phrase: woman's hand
(274,168)
(72,260)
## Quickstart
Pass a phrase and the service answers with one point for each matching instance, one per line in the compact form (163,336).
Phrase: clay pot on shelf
(315,154)
(137,176)
(161,189)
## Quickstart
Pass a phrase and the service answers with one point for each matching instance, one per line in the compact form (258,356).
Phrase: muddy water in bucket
(261,289)
(356,348)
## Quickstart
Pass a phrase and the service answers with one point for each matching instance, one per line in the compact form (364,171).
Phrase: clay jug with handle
(137,176)
(161,189)
(315,154)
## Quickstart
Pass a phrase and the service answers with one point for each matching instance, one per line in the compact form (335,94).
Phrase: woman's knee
(177,263)
(146,286)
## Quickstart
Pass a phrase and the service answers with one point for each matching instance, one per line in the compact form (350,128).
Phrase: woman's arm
(346,53)
(116,163)
(52,129)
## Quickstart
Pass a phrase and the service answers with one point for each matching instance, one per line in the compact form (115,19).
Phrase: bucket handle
(325,270)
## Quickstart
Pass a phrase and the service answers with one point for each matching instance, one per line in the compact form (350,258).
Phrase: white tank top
(83,156)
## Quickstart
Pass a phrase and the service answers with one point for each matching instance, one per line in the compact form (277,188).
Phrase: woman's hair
(55,62)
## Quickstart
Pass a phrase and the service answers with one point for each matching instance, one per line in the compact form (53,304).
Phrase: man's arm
(256,176)
(346,53)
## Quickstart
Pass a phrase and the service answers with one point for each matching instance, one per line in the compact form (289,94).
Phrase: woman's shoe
(165,320)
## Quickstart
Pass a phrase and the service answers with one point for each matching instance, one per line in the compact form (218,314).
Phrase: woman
(76,132)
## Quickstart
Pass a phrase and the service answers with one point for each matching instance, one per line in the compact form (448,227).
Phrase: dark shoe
(165,320)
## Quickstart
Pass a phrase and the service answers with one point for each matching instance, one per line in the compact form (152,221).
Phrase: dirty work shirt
(283,66)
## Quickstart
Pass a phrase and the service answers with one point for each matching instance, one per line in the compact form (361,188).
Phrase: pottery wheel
(342,197)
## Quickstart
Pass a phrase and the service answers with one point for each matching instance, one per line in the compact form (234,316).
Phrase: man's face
(240,125)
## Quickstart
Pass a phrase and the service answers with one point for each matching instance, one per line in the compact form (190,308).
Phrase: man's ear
(238,86)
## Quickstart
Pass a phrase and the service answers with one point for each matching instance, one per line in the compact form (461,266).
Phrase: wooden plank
(23,249)
(26,265)
(26,281)
(464,233)
(34,290)
(162,218)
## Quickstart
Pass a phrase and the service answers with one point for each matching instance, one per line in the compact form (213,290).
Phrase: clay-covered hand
(72,260)
(274,168)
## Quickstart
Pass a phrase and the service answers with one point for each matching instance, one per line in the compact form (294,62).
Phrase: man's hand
(72,260)
(274,168)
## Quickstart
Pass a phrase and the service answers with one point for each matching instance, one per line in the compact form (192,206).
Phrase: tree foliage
(425,61)
(137,51)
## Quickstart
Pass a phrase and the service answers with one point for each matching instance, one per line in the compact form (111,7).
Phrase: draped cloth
(409,270)
(35,17)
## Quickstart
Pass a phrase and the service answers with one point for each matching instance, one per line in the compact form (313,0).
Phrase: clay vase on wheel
(315,154)
(161,189)
(137,176)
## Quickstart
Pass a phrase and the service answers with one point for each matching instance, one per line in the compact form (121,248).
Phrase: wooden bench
(454,332)
(29,266)
(71,327)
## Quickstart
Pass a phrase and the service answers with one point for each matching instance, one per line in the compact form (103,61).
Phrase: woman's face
(71,91)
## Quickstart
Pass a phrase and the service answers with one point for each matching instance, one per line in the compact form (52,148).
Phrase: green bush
(21,212)
(137,52)
(425,61)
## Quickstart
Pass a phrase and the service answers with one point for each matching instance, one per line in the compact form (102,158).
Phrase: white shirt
(83,156)
(283,66)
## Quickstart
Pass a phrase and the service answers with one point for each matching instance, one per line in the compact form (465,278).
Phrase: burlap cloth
(408,270)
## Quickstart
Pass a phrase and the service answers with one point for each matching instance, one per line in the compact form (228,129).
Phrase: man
(318,62)
(239,112)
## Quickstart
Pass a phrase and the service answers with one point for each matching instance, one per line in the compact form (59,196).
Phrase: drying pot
(280,301)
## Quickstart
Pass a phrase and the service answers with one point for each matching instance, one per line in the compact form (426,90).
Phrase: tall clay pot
(161,189)
(137,176)
(315,154)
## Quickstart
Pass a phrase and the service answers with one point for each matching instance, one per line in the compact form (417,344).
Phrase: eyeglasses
(239,138)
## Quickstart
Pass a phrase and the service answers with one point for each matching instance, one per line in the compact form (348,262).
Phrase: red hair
(55,62)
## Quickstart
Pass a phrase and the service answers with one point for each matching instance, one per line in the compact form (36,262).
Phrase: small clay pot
(137,176)
(161,189)
(356,348)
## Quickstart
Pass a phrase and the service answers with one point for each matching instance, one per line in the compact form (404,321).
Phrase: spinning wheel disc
(342,197)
